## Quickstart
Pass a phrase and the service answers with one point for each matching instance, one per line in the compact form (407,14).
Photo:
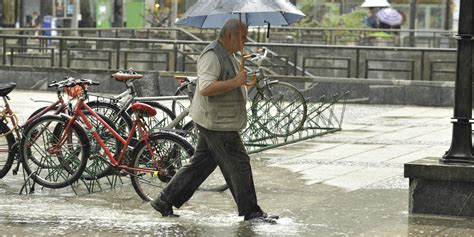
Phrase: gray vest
(224,112)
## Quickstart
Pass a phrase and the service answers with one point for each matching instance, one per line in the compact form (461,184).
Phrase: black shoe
(163,207)
(261,217)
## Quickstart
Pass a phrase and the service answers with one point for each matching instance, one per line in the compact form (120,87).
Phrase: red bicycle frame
(79,112)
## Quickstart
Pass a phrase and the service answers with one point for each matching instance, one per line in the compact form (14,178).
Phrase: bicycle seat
(119,76)
(6,88)
(143,109)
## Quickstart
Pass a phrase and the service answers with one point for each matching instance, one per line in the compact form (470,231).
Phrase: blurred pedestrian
(35,22)
(390,18)
(372,20)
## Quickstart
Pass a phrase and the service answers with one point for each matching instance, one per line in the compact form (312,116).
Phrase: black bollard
(461,143)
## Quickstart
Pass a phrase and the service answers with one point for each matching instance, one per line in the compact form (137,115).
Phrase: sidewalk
(349,183)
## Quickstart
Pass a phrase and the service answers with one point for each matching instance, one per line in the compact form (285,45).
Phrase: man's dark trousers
(216,148)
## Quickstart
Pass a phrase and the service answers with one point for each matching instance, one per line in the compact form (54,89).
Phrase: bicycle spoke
(55,158)
(161,159)
(279,109)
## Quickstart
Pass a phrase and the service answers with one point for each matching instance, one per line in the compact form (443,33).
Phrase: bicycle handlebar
(71,82)
(258,57)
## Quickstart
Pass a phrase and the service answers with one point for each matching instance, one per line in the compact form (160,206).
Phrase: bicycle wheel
(151,171)
(60,164)
(279,109)
(7,152)
(177,106)
(51,111)
(99,164)
(191,133)
(122,120)
(162,118)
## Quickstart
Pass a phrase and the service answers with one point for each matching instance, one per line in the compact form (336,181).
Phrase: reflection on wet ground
(345,184)
(121,211)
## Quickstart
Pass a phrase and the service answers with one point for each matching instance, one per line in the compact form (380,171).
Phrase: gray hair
(232,27)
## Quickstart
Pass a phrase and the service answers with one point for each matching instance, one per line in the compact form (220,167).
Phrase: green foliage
(329,16)
(333,19)
(306,6)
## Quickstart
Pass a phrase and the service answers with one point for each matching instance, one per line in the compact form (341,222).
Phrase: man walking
(219,112)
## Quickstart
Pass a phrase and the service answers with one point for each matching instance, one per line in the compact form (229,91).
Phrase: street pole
(448,17)
(21,14)
(412,22)
(174,12)
(75,15)
(461,143)
(54,9)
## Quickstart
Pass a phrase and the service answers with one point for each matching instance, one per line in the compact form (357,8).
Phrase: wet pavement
(349,183)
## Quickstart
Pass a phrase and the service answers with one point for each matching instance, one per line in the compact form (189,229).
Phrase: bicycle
(112,106)
(277,107)
(117,108)
(64,145)
(10,137)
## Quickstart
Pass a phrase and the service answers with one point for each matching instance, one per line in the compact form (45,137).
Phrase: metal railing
(149,54)
(439,67)
(296,35)
(410,70)
(133,33)
(346,36)
(331,61)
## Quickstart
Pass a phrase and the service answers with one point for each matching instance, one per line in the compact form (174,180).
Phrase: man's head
(233,35)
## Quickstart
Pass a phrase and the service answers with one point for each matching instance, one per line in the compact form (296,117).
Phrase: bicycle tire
(191,133)
(162,118)
(123,122)
(151,174)
(53,109)
(66,163)
(178,106)
(50,112)
(279,109)
(7,151)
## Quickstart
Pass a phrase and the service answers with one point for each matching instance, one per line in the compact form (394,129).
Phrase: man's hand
(241,78)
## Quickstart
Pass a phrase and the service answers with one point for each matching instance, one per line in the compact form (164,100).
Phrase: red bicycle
(10,135)
(63,148)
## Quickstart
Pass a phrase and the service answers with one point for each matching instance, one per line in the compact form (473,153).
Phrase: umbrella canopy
(214,13)
(375,3)
(390,16)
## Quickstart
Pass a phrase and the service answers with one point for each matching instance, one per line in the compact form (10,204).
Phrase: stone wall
(155,83)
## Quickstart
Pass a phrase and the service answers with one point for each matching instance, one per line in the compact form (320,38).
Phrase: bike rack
(322,118)
(92,185)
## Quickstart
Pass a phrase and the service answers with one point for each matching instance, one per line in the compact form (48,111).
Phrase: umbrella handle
(254,80)
(242,58)
(241,44)
(268,28)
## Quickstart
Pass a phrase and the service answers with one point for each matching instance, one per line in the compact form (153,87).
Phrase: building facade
(430,14)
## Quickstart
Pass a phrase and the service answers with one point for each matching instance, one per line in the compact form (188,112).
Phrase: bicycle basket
(74,91)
